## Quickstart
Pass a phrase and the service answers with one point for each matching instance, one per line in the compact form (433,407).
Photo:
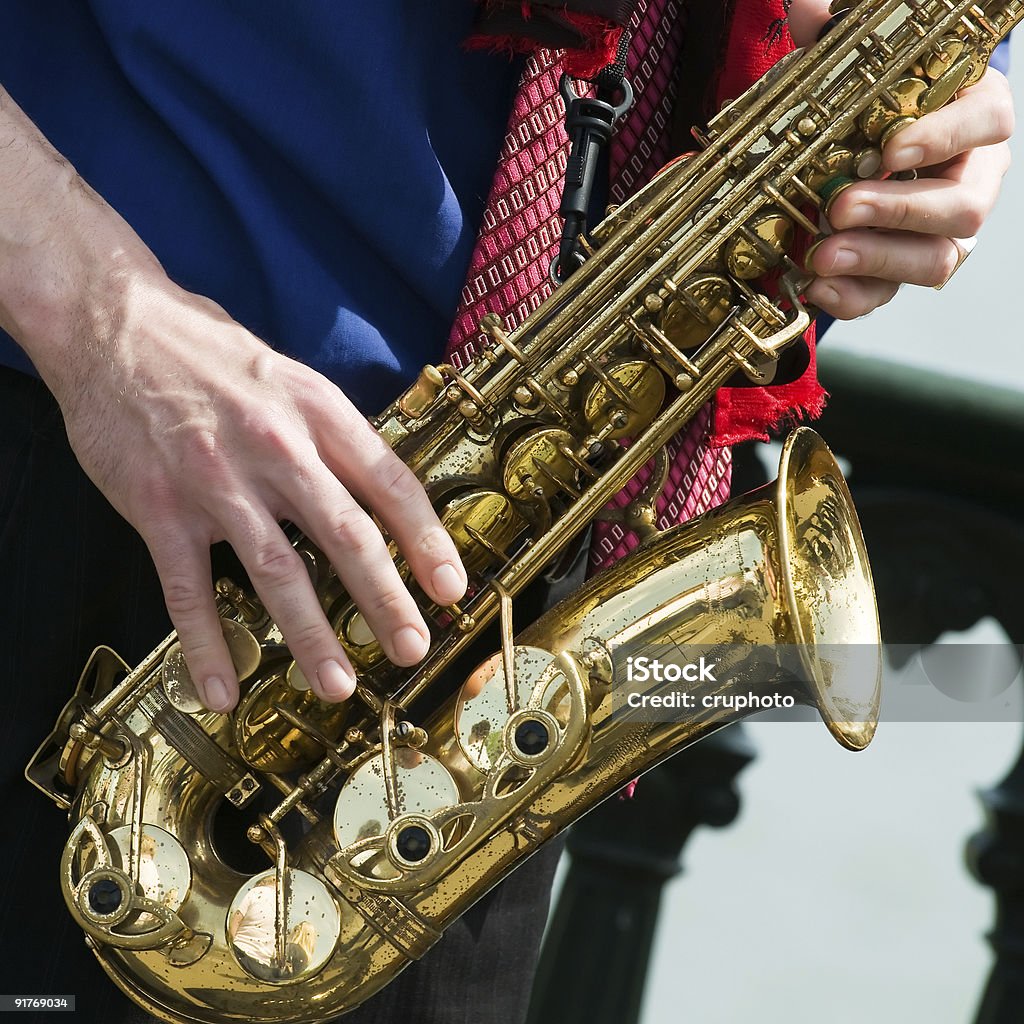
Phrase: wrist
(68,261)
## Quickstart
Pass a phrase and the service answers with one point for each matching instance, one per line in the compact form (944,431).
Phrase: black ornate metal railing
(937,472)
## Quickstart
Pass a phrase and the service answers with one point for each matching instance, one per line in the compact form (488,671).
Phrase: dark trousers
(74,575)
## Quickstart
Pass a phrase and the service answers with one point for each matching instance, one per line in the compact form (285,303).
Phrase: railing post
(594,963)
(996,858)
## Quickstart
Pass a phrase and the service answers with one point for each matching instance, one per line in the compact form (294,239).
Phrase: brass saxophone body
(376,823)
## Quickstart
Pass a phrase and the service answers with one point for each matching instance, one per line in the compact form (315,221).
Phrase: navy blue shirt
(319,167)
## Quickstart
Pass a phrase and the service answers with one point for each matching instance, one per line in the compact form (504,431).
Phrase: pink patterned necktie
(508,273)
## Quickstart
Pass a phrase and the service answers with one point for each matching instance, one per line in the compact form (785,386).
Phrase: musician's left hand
(892,232)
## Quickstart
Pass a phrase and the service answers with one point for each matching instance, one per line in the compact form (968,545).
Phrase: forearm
(196,431)
(66,257)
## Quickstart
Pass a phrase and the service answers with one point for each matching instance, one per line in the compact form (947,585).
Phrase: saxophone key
(868,162)
(270,725)
(838,161)
(944,88)
(164,873)
(699,305)
(485,526)
(356,631)
(355,635)
(894,128)
(408,735)
(897,103)
(942,56)
(831,191)
(283,930)
(759,245)
(367,805)
(625,397)
(421,394)
(177,681)
(484,721)
(535,467)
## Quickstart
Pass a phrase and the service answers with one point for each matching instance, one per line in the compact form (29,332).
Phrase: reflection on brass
(270,741)
(280,938)
(363,810)
(537,467)
(902,100)
(941,58)
(632,389)
(111,749)
(947,85)
(377,843)
(162,873)
(246,655)
(415,402)
(759,245)
(482,712)
(483,524)
(701,304)
(357,630)
(296,678)
(835,162)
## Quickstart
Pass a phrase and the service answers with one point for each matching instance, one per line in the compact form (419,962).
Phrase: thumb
(806,20)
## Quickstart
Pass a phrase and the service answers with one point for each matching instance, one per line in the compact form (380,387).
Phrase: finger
(954,204)
(847,298)
(280,579)
(360,556)
(806,20)
(980,116)
(183,565)
(380,480)
(899,256)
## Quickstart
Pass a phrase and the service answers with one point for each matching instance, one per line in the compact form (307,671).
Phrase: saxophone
(367,827)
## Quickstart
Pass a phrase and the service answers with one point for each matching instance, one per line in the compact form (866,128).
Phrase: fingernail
(904,158)
(448,583)
(843,261)
(335,682)
(809,255)
(409,644)
(860,213)
(217,696)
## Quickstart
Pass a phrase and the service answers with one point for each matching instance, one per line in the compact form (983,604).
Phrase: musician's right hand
(197,432)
